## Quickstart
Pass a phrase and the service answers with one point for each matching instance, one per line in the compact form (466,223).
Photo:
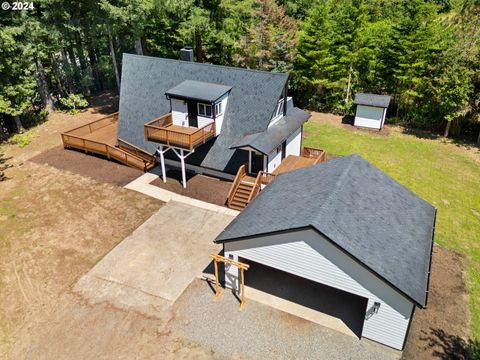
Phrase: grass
(440,173)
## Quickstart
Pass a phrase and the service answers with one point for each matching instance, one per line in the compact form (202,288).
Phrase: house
(371,110)
(347,225)
(207,118)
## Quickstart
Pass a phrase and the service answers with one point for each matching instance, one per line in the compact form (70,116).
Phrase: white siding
(369,116)
(219,119)
(274,159)
(202,121)
(307,254)
(179,112)
(294,143)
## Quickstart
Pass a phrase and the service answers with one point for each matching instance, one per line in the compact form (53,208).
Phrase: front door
(192,114)
(257,163)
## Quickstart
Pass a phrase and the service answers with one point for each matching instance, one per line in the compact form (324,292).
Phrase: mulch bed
(441,331)
(199,187)
(95,167)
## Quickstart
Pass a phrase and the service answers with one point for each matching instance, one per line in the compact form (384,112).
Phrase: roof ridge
(209,65)
(334,192)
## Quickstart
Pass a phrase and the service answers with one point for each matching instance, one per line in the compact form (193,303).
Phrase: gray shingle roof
(372,217)
(266,141)
(372,100)
(250,107)
(198,90)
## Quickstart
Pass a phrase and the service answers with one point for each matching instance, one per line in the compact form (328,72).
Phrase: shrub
(21,140)
(73,102)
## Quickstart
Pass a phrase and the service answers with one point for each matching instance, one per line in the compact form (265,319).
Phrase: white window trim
(278,109)
(204,114)
(218,108)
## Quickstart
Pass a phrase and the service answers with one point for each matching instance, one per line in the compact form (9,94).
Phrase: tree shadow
(348,120)
(448,346)
(420,133)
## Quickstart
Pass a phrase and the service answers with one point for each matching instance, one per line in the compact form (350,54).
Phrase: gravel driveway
(262,332)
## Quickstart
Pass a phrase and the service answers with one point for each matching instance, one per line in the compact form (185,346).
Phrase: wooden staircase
(242,194)
(245,188)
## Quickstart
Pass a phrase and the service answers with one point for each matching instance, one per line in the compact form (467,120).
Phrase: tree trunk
(114,61)
(56,77)
(347,97)
(138,45)
(81,56)
(93,63)
(18,124)
(478,140)
(66,66)
(198,47)
(74,67)
(43,86)
(447,128)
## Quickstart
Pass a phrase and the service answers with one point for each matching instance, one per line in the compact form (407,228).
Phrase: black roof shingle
(372,217)
(372,100)
(198,90)
(251,103)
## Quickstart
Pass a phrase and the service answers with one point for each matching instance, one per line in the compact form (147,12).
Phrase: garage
(342,224)
(348,308)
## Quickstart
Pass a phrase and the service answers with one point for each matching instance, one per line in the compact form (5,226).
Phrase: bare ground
(441,330)
(56,224)
(199,187)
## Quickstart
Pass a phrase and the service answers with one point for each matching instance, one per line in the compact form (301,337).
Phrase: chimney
(186,53)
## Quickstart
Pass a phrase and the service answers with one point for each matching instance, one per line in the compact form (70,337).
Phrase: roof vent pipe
(186,53)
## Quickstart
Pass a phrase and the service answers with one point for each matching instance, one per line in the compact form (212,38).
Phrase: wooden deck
(310,156)
(100,137)
(292,162)
(162,130)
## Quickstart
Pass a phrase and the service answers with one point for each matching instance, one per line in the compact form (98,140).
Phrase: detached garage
(371,110)
(347,226)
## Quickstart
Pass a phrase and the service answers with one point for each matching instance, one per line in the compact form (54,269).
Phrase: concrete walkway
(150,268)
(142,185)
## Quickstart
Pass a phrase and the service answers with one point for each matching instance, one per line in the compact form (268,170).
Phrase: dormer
(280,110)
(195,104)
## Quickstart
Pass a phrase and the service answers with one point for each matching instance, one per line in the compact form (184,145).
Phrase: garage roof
(372,100)
(376,220)
(198,90)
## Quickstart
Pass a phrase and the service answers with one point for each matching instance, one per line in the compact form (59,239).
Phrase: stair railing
(238,178)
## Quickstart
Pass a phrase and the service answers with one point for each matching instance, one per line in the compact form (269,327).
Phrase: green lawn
(440,173)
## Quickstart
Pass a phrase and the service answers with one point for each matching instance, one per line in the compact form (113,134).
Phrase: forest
(424,53)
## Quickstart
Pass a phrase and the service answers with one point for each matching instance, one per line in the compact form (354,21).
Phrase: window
(279,109)
(205,110)
(218,109)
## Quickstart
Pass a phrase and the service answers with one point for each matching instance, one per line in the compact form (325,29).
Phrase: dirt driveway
(158,260)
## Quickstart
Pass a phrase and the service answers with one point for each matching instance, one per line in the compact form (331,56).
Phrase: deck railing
(266,178)
(160,130)
(94,125)
(77,142)
(126,153)
(240,174)
(313,153)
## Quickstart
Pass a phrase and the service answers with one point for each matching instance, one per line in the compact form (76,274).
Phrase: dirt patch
(92,166)
(199,187)
(441,330)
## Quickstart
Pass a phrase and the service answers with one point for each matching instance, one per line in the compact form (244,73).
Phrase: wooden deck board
(293,162)
(106,134)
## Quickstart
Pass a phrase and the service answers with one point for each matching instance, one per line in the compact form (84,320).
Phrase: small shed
(348,227)
(371,110)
